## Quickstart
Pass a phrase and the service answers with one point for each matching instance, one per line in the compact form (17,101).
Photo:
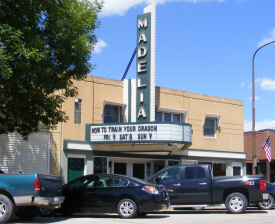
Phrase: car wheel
(26,212)
(46,212)
(198,208)
(267,204)
(127,208)
(236,203)
(6,208)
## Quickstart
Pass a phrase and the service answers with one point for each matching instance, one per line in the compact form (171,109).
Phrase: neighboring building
(41,153)
(262,163)
(135,128)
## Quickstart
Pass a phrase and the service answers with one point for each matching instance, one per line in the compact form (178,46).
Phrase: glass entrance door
(120,168)
(139,170)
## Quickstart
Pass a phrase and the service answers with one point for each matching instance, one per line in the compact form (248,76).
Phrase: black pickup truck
(194,186)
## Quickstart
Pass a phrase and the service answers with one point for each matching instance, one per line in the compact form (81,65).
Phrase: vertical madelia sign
(145,102)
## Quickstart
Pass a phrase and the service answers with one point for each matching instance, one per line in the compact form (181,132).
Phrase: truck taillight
(37,184)
(262,185)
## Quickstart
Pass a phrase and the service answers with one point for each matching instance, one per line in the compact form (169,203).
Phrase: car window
(170,174)
(192,173)
(112,182)
(83,182)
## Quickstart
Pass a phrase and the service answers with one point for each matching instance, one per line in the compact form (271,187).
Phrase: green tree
(44,46)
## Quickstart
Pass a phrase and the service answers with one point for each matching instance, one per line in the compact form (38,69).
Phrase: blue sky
(202,46)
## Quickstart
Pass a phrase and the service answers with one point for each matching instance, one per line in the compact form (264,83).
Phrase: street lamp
(254,159)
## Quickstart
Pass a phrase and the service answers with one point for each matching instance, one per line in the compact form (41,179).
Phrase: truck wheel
(6,208)
(267,204)
(127,208)
(236,203)
(26,212)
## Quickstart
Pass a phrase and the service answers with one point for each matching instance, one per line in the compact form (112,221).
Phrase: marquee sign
(139,133)
(145,92)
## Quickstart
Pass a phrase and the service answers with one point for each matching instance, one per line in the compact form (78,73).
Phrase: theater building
(135,128)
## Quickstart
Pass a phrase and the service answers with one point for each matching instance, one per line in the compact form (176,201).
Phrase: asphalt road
(211,216)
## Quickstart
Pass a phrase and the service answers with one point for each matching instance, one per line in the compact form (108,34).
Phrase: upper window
(168,117)
(209,127)
(111,114)
(77,111)
(171,115)
(212,121)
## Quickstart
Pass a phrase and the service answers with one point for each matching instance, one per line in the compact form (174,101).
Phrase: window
(173,162)
(176,118)
(217,168)
(83,182)
(171,115)
(237,169)
(77,111)
(192,173)
(110,181)
(170,174)
(111,114)
(100,164)
(212,121)
(209,127)
(159,116)
(168,117)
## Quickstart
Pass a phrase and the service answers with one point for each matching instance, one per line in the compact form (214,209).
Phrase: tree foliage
(44,46)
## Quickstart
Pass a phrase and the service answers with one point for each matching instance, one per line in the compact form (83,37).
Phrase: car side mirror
(158,179)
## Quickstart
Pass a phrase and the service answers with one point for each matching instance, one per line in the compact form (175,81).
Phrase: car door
(76,193)
(107,190)
(196,185)
(171,178)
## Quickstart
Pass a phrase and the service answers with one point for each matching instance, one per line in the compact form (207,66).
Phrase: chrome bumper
(48,201)
(264,196)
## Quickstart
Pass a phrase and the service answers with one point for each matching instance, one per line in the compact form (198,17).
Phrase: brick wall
(260,138)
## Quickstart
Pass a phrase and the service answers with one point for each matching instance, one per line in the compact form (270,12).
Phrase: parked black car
(111,193)
(269,203)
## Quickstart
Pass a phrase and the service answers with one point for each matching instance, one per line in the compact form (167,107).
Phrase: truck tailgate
(50,185)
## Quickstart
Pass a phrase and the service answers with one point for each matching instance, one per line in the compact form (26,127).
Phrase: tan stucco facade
(94,92)
(229,136)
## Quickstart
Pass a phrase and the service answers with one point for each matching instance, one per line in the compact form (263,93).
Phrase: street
(213,216)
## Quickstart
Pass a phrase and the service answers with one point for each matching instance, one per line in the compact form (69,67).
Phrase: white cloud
(120,7)
(267,84)
(247,126)
(99,45)
(266,124)
(243,84)
(266,40)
